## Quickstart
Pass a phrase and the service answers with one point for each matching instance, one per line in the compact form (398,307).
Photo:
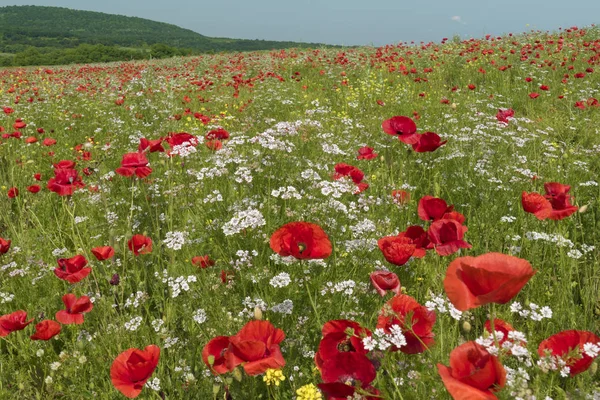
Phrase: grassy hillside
(52,29)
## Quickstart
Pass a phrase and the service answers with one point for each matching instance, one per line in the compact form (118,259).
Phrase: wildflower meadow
(415,221)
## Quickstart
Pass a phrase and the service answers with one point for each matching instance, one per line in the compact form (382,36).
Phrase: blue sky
(349,22)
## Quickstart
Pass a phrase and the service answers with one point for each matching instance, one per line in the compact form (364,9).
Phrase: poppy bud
(237,374)
(593,369)
(258,315)
(466,326)
(216,389)
(211,360)
(115,280)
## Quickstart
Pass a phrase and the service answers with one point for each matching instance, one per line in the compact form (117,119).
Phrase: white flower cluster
(442,305)
(157,324)
(175,240)
(200,316)
(337,189)
(135,299)
(185,149)
(133,324)
(591,349)
(170,342)
(382,340)
(331,148)
(554,363)
(362,228)
(514,344)
(517,380)
(244,259)
(286,193)
(176,284)
(213,197)
(245,219)
(281,280)
(268,141)
(59,252)
(535,312)
(552,238)
(6,297)
(250,304)
(243,174)
(347,287)
(154,384)
(285,307)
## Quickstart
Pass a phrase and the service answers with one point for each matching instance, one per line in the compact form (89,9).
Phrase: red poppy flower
(489,278)
(340,336)
(400,197)
(342,170)
(256,347)
(446,236)
(103,252)
(31,140)
(346,372)
(65,182)
(428,142)
(4,245)
(417,331)
(433,208)
(499,326)
(534,95)
(403,127)
(72,269)
(536,204)
(134,163)
(214,145)
(74,309)
(132,368)
(474,374)
(177,139)
(471,86)
(217,347)
(13,322)
(569,347)
(383,281)
(49,142)
(202,261)
(13,192)
(366,153)
(19,124)
(396,250)
(560,200)
(220,134)
(46,330)
(302,240)
(65,164)
(455,215)
(505,115)
(417,236)
(140,244)
(33,188)
(152,146)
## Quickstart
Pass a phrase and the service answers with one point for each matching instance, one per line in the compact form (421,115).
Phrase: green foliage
(55,29)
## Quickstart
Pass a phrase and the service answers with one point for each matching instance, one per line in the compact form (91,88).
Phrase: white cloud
(458,19)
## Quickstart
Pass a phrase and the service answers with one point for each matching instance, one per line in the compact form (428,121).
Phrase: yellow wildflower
(273,377)
(308,392)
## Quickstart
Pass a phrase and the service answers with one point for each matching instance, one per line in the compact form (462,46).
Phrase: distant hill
(55,28)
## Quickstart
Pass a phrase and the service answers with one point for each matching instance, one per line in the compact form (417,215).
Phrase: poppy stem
(493,327)
(314,306)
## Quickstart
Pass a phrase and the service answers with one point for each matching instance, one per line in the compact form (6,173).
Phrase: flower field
(416,221)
